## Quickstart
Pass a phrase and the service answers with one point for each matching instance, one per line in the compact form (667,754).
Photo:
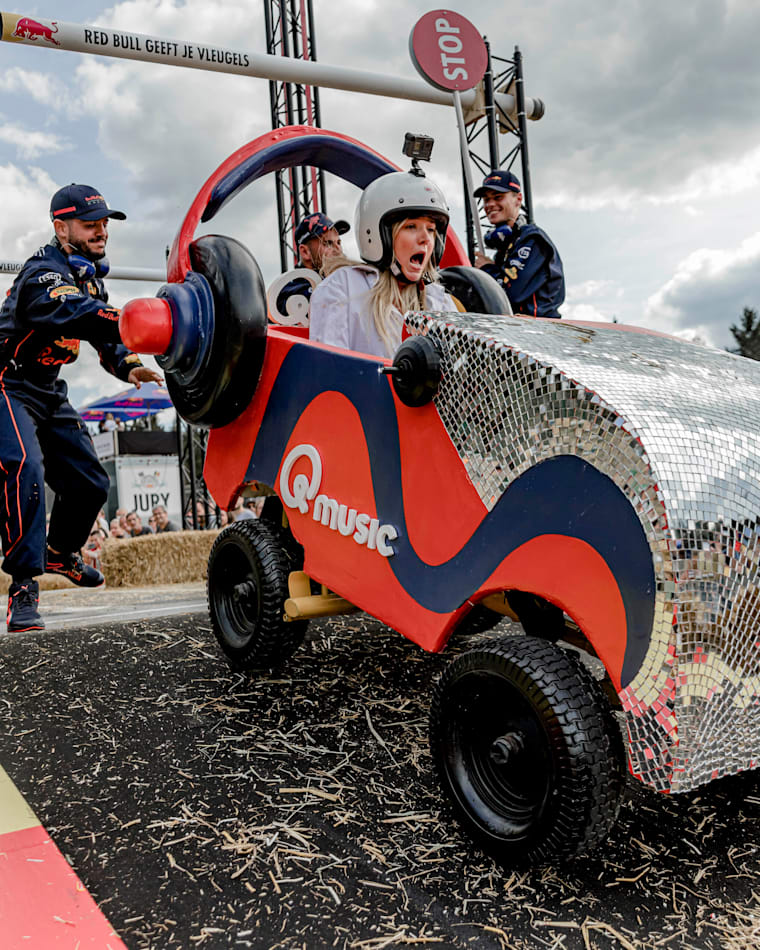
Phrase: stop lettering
(448,51)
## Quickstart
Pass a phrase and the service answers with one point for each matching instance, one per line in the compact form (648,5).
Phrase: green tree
(748,334)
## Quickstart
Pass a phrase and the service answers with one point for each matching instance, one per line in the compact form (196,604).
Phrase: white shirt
(340,312)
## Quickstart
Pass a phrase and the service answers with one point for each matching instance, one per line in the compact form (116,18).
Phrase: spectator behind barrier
(161,517)
(117,531)
(135,525)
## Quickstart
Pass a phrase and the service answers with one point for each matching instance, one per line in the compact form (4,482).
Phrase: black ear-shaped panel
(476,290)
(222,380)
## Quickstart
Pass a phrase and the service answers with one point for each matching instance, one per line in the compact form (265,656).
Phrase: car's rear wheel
(527,750)
(247,588)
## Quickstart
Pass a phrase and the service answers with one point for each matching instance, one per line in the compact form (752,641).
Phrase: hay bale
(178,557)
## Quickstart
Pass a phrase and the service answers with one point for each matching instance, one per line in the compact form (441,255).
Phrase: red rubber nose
(145,325)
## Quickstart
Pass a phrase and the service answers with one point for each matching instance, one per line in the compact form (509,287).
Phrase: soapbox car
(600,483)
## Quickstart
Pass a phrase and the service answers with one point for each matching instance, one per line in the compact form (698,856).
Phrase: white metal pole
(116,273)
(101,41)
(464,148)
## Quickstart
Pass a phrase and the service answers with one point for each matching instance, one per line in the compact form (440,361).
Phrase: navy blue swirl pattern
(562,495)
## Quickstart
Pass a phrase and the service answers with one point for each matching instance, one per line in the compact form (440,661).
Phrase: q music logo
(298,493)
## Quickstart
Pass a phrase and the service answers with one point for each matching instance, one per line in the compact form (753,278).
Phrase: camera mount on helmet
(419,148)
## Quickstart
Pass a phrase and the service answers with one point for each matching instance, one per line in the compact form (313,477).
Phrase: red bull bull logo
(28,29)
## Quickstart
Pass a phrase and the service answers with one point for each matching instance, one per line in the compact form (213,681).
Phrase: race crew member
(57,299)
(318,238)
(526,264)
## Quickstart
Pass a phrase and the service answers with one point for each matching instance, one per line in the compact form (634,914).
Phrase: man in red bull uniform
(57,299)
(526,264)
(318,237)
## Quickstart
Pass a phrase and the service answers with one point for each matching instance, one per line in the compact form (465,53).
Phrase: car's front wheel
(527,750)
(247,588)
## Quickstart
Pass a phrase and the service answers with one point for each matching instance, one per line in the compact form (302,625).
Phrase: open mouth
(417,259)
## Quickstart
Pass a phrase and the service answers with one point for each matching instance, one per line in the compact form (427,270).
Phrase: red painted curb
(43,904)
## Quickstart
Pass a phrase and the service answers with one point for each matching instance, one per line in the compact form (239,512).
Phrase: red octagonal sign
(448,51)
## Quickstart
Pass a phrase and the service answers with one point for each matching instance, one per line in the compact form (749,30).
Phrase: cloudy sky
(645,168)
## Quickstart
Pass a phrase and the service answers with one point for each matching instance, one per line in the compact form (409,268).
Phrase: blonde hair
(388,294)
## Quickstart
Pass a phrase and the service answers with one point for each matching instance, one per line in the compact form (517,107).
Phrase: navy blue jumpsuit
(44,316)
(529,268)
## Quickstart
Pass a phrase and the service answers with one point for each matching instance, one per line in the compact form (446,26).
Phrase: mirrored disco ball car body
(597,482)
(609,472)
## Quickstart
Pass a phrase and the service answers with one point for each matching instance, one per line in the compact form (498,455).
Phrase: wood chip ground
(297,809)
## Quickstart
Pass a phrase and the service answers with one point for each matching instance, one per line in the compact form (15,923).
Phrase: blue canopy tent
(132,403)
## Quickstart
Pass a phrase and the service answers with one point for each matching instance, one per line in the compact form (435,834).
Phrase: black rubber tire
(557,791)
(220,381)
(476,290)
(272,515)
(247,588)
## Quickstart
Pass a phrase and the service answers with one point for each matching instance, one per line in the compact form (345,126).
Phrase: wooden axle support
(499,603)
(303,605)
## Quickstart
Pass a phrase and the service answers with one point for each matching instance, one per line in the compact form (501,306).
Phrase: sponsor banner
(145,481)
(91,39)
(24,29)
(81,38)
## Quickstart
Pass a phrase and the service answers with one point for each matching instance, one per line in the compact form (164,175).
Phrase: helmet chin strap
(401,277)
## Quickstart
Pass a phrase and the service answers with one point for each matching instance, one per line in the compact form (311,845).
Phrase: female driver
(401,222)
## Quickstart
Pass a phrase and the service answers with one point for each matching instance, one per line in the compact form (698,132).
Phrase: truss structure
(298,191)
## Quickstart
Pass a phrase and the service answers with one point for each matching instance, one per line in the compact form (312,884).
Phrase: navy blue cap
(498,181)
(317,224)
(83,202)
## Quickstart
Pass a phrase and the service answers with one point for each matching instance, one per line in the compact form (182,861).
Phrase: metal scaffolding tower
(298,191)
(191,451)
(502,75)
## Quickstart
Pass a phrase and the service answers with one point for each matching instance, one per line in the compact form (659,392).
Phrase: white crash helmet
(388,198)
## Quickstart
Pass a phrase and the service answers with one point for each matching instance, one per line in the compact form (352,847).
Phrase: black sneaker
(23,597)
(73,567)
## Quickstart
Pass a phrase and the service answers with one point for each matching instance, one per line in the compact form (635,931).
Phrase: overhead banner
(81,38)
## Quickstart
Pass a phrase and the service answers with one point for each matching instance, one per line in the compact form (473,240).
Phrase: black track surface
(299,809)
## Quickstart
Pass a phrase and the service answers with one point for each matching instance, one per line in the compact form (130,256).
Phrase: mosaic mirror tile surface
(676,426)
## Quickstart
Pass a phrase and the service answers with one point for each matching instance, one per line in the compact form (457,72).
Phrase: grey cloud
(709,291)
(638,96)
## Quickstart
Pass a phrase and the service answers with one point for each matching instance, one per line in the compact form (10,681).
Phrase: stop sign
(448,51)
